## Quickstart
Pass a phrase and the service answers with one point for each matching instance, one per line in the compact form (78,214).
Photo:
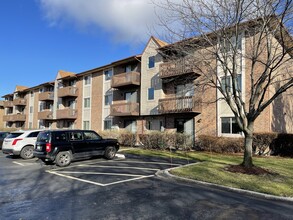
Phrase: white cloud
(126,20)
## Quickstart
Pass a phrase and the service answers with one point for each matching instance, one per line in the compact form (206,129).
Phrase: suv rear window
(44,137)
(14,135)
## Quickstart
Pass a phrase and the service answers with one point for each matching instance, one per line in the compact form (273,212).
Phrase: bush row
(270,143)
(151,140)
(219,144)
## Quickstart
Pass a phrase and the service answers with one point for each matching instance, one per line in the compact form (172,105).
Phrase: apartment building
(140,93)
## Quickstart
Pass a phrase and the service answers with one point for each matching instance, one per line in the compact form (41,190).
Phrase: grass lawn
(212,169)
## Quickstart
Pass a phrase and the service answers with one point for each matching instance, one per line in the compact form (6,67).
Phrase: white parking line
(96,183)
(133,161)
(99,173)
(18,163)
(123,181)
(134,168)
(107,164)
(74,178)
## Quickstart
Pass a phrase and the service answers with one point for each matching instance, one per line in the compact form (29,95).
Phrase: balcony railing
(45,115)
(124,109)
(46,96)
(66,113)
(7,104)
(180,105)
(19,101)
(125,79)
(14,117)
(177,67)
(67,91)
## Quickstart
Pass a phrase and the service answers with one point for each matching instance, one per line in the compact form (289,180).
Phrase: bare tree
(227,38)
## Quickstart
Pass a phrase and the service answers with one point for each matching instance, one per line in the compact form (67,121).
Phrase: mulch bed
(250,171)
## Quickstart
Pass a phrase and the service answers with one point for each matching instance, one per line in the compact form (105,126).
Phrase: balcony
(66,113)
(67,91)
(7,104)
(177,67)
(14,117)
(45,115)
(46,96)
(19,101)
(125,79)
(180,105)
(124,109)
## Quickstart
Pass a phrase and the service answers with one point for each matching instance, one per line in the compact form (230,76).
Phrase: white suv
(20,143)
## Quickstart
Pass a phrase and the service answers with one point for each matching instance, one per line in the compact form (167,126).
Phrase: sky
(40,37)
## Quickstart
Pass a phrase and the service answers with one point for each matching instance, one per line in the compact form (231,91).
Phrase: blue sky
(40,37)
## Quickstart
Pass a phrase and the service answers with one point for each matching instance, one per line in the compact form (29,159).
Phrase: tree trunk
(247,160)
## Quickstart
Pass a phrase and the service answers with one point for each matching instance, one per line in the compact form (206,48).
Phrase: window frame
(233,126)
(151,62)
(87,102)
(107,75)
(153,94)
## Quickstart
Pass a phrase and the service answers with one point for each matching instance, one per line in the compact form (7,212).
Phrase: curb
(120,156)
(167,174)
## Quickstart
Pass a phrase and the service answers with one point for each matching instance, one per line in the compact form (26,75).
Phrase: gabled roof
(20,88)
(64,74)
(159,42)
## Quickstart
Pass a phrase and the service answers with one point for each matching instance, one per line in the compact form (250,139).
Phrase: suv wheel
(110,152)
(27,152)
(63,158)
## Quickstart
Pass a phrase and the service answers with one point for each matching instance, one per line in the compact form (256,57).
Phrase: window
(226,82)
(151,61)
(87,103)
(33,134)
(184,90)
(86,125)
(128,68)
(30,126)
(87,80)
(59,136)
(89,135)
(32,94)
(108,99)
(151,93)
(229,126)
(75,136)
(31,109)
(107,124)
(108,74)
(72,83)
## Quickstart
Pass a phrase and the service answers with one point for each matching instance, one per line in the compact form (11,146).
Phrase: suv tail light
(48,147)
(15,141)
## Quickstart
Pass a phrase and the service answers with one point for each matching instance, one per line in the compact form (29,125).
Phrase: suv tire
(110,152)
(27,152)
(63,158)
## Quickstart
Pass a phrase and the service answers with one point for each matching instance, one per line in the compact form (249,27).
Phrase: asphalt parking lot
(102,172)
(119,189)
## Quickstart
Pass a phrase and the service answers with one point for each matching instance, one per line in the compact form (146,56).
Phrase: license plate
(39,147)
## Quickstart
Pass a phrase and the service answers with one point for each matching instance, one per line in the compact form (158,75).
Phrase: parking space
(99,171)
(104,172)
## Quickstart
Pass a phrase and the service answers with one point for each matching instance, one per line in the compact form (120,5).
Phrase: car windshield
(14,134)
(44,136)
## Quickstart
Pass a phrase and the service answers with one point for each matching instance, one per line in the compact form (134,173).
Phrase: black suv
(62,146)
